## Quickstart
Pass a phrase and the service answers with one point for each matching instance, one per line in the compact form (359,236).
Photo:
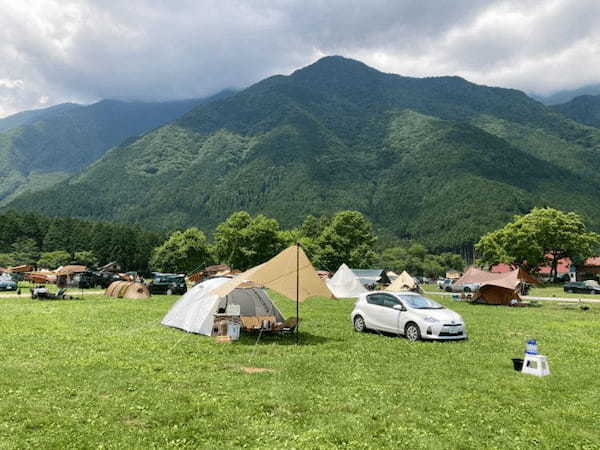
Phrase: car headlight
(430,319)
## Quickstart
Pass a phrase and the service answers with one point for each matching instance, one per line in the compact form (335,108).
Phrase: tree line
(241,241)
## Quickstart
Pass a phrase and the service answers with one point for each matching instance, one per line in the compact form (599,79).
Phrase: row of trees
(541,238)
(243,241)
(27,238)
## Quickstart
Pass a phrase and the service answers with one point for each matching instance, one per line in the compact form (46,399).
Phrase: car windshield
(420,302)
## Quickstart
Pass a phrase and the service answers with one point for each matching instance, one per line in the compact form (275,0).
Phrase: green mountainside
(42,147)
(440,160)
(584,109)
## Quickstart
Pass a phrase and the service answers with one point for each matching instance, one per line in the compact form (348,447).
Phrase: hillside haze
(441,160)
(42,147)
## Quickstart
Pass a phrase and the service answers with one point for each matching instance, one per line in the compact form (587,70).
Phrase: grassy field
(102,373)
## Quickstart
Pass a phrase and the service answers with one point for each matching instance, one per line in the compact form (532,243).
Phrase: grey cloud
(59,50)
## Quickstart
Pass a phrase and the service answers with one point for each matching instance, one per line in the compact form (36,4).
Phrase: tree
(243,242)
(86,258)
(349,239)
(182,252)
(52,260)
(26,251)
(544,236)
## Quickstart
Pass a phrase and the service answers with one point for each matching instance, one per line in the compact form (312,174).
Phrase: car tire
(570,291)
(359,324)
(467,289)
(412,332)
(169,291)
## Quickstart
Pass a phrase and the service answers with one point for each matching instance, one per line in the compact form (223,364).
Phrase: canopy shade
(508,280)
(280,274)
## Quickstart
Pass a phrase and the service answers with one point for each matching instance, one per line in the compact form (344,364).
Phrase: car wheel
(169,291)
(359,324)
(412,332)
(467,289)
(570,291)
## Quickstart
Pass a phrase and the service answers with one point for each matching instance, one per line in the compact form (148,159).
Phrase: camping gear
(290,273)
(404,282)
(344,284)
(536,365)
(200,310)
(496,288)
(127,289)
(531,348)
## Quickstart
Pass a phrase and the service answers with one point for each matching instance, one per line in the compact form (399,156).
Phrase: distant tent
(195,311)
(344,284)
(371,277)
(127,289)
(404,282)
(496,288)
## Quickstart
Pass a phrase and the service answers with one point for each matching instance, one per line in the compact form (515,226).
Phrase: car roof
(394,293)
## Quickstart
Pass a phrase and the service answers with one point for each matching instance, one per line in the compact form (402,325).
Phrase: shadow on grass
(385,334)
(284,339)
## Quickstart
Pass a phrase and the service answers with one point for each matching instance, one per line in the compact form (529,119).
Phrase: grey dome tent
(195,311)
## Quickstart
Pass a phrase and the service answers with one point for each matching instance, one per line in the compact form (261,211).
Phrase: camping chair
(288,326)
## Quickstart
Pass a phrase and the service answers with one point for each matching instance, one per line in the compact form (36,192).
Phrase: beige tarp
(279,274)
(127,289)
(402,283)
(508,280)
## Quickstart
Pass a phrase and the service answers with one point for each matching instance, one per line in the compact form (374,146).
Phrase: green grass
(102,373)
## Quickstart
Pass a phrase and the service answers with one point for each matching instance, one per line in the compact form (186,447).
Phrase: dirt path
(543,299)
(26,294)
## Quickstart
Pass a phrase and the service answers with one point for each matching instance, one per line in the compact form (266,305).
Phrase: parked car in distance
(466,288)
(585,287)
(407,313)
(167,283)
(7,283)
(445,285)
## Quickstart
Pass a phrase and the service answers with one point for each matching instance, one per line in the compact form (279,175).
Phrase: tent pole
(297,293)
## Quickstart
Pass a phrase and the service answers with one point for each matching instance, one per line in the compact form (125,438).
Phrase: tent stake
(297,293)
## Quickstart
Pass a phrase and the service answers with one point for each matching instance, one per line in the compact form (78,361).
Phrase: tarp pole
(297,293)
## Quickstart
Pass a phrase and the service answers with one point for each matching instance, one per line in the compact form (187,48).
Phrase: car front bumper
(444,332)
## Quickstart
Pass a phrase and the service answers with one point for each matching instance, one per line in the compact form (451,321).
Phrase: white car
(407,313)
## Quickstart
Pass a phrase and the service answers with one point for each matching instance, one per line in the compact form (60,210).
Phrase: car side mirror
(399,308)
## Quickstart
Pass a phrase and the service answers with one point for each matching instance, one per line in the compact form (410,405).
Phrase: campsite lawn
(102,373)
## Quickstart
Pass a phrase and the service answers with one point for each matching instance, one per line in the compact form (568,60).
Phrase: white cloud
(63,50)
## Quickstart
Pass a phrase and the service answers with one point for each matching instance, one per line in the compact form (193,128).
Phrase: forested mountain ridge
(584,109)
(441,160)
(42,147)
(25,117)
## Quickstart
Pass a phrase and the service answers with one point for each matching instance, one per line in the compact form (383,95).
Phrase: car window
(375,299)
(390,301)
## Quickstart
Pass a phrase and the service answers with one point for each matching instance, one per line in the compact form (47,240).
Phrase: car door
(376,312)
(391,318)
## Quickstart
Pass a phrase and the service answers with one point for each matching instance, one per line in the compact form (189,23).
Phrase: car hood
(443,315)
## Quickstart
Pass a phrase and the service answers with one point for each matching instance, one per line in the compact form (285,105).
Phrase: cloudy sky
(53,51)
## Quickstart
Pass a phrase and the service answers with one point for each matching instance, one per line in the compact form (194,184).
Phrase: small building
(453,274)
(589,270)
(370,278)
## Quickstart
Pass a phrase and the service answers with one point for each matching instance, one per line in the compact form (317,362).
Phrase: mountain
(48,145)
(441,160)
(567,95)
(584,109)
(25,117)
